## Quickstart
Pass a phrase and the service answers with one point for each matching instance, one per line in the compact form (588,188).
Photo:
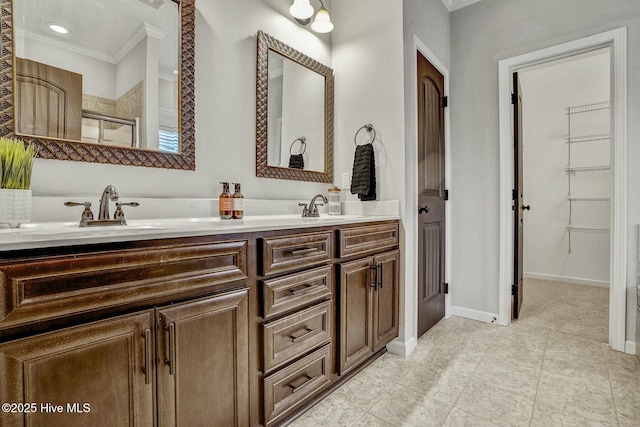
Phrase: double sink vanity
(191,321)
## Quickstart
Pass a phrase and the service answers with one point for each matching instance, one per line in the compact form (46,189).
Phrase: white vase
(15,207)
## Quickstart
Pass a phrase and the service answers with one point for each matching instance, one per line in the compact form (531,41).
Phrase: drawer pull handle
(373,279)
(171,361)
(303,290)
(147,356)
(305,251)
(303,336)
(296,388)
(379,275)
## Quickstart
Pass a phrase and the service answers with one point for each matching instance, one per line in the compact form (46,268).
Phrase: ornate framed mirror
(92,81)
(294,114)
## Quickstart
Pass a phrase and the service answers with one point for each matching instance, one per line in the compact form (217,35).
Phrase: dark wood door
(386,299)
(356,280)
(48,101)
(518,202)
(99,374)
(203,362)
(432,195)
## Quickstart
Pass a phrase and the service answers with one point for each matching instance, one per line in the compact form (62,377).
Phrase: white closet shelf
(588,138)
(589,199)
(585,108)
(588,168)
(572,228)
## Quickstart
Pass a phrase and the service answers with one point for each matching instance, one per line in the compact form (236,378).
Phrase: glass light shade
(322,23)
(301,9)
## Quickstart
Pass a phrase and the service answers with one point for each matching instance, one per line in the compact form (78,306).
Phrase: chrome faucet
(109,193)
(312,210)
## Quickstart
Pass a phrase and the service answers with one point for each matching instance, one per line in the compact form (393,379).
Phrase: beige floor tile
(628,422)
(590,397)
(391,367)
(332,411)
(511,375)
(550,416)
(536,339)
(364,390)
(500,406)
(460,418)
(438,384)
(627,398)
(369,420)
(403,407)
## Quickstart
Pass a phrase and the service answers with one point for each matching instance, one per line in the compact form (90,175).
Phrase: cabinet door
(386,299)
(203,362)
(355,313)
(99,374)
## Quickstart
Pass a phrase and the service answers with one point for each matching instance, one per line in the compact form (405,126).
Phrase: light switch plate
(346,180)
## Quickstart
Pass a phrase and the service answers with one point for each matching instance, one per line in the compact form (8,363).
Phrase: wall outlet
(346,180)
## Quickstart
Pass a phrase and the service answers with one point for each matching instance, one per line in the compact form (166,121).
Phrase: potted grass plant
(16,164)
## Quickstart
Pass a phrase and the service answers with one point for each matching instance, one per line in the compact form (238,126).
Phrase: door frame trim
(617,41)
(412,188)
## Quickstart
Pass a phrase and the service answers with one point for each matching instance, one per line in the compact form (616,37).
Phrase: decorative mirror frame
(266,43)
(60,149)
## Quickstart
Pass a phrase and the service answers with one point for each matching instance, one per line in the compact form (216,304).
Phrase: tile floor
(550,368)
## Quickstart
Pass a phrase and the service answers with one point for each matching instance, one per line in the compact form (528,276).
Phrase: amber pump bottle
(238,202)
(226,202)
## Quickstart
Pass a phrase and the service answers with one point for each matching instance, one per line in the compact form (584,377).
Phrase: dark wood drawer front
(48,288)
(288,253)
(289,387)
(296,290)
(364,240)
(291,336)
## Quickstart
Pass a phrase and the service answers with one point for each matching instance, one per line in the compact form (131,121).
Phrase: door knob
(424,209)
(526,208)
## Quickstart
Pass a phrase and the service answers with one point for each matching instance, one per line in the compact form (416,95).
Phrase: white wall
(225,115)
(368,64)
(429,22)
(547,91)
(481,35)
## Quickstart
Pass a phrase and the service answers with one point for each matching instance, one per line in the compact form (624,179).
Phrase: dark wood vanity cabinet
(239,330)
(183,360)
(98,374)
(369,290)
(203,361)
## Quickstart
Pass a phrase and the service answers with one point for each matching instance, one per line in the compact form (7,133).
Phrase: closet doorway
(616,40)
(562,203)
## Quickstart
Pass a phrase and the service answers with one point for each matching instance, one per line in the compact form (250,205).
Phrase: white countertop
(54,234)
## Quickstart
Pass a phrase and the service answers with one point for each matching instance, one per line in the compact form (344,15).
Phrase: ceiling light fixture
(302,11)
(57,28)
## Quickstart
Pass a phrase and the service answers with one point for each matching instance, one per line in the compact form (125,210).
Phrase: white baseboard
(566,279)
(402,348)
(630,347)
(468,313)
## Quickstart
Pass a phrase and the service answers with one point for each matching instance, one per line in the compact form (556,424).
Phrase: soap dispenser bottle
(238,202)
(225,201)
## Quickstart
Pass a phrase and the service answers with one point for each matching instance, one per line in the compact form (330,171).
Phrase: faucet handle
(119,213)
(87,215)
(305,210)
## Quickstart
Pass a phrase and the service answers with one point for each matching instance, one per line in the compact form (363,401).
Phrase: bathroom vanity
(246,323)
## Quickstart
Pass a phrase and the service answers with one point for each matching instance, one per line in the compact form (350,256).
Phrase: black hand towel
(296,161)
(363,176)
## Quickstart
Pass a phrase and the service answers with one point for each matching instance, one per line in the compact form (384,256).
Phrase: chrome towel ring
(368,127)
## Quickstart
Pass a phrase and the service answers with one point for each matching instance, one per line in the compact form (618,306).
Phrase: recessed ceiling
(458,4)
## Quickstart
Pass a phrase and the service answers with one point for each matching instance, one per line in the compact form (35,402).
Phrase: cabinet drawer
(371,238)
(296,290)
(291,336)
(280,254)
(289,387)
(52,287)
